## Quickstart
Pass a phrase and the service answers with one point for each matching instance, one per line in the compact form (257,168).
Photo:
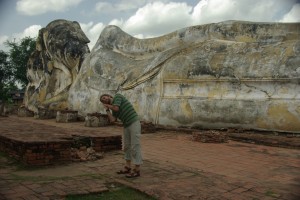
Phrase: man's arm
(112,107)
(109,114)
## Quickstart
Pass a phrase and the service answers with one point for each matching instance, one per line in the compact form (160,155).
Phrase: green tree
(18,57)
(7,82)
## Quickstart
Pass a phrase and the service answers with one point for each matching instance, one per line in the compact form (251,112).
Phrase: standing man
(123,110)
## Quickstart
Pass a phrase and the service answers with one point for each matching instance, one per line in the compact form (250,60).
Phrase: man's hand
(112,107)
(110,116)
(106,106)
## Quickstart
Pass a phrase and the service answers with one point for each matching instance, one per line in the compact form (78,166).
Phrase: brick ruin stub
(24,112)
(44,113)
(210,136)
(96,120)
(66,116)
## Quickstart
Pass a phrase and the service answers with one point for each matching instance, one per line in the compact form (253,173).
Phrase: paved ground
(175,167)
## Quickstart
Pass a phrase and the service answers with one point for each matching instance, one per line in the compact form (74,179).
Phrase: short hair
(108,95)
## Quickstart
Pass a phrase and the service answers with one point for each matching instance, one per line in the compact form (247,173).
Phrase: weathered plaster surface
(54,65)
(229,74)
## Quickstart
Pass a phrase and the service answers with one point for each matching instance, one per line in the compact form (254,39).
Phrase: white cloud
(140,36)
(158,18)
(127,5)
(92,31)
(3,38)
(31,31)
(36,7)
(211,11)
(154,18)
(293,15)
(116,22)
(104,7)
(123,5)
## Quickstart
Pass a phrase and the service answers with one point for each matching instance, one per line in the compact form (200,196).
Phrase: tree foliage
(5,69)
(19,54)
(13,65)
(6,76)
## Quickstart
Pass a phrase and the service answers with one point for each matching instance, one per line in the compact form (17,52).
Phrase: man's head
(106,98)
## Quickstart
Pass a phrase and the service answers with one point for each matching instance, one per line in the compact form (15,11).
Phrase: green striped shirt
(126,111)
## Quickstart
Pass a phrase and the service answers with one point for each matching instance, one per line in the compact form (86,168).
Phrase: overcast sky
(139,18)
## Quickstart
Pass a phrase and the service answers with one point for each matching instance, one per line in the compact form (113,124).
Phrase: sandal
(135,173)
(126,170)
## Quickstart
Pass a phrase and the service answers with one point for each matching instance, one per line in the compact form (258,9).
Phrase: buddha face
(54,65)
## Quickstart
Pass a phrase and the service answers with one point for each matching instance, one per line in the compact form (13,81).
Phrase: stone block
(24,112)
(66,116)
(97,120)
(45,114)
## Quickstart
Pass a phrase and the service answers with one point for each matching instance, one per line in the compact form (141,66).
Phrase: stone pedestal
(96,120)
(24,112)
(210,137)
(45,114)
(66,116)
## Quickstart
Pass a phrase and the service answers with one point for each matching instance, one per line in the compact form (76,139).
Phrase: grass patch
(116,193)
(270,193)
(2,154)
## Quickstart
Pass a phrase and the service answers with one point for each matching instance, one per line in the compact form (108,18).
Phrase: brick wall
(37,153)
(52,152)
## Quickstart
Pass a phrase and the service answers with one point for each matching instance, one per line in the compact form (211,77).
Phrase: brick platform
(175,167)
(36,153)
(41,142)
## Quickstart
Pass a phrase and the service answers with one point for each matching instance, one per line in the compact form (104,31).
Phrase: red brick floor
(234,159)
(175,167)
